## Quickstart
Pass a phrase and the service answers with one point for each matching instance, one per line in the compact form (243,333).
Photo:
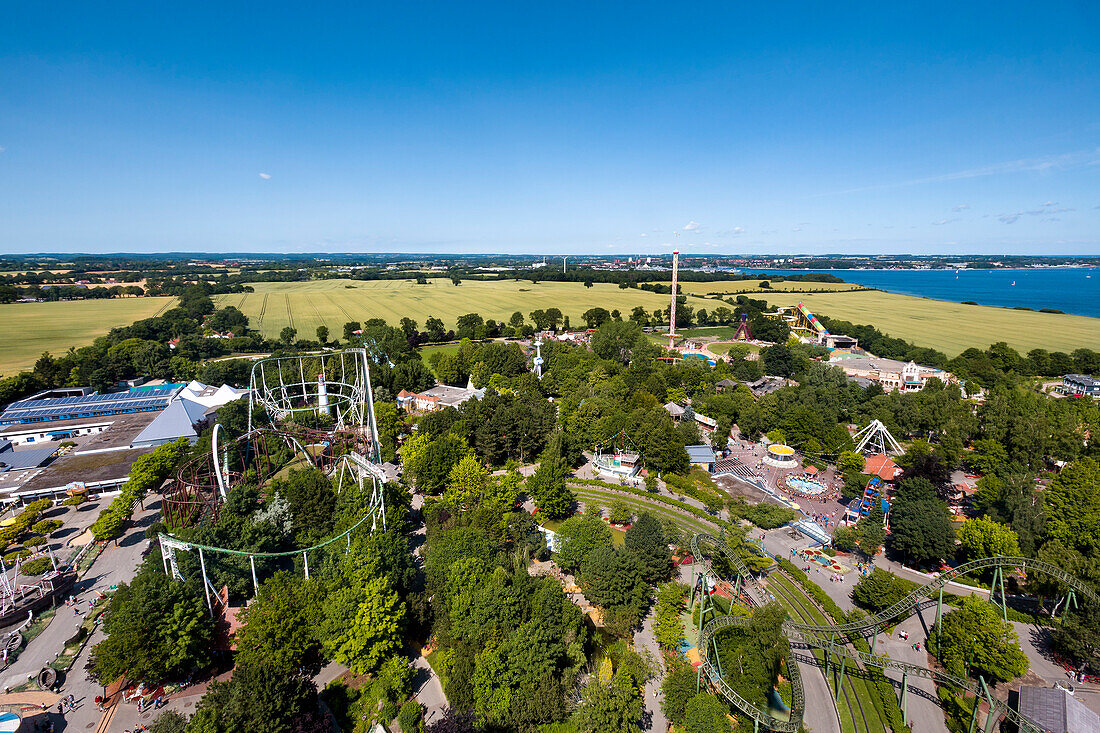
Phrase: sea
(1068,289)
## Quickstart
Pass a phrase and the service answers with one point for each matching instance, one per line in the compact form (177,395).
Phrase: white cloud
(1007,219)
(691,226)
(265,176)
(942,222)
(796,229)
(2,149)
(960,207)
(646,235)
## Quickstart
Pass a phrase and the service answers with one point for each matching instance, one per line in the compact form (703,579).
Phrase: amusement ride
(320,411)
(834,640)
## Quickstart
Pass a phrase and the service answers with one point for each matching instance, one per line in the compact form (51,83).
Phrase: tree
(849,461)
(706,714)
(988,457)
(975,633)
(468,325)
(667,626)
(588,283)
(453,721)
(880,590)
(982,537)
(288,334)
(619,513)
(1072,503)
(1078,637)
(578,537)
(280,626)
(777,360)
(646,539)
(362,624)
(613,579)
(322,334)
(871,532)
(547,487)
(677,690)
(156,629)
(169,721)
(350,328)
(920,524)
(596,317)
(516,321)
(609,707)
(259,698)
(845,538)
(617,340)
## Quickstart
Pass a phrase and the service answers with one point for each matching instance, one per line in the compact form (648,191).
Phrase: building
(438,397)
(701,456)
(892,375)
(48,407)
(1080,385)
(1055,709)
(883,466)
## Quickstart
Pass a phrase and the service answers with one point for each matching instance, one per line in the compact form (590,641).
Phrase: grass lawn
(306,305)
(28,329)
(426,351)
(618,537)
(953,327)
(723,347)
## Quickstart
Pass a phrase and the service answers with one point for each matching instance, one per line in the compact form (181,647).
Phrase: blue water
(1066,289)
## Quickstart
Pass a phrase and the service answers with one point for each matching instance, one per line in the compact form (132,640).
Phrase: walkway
(653,716)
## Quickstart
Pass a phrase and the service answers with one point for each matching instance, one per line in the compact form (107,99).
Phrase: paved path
(645,639)
(117,564)
(429,690)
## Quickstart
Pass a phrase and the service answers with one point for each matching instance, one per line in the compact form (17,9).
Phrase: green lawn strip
(854,684)
(847,718)
(875,687)
(605,498)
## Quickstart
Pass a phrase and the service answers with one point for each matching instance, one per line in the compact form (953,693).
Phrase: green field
(736,287)
(28,329)
(953,327)
(332,303)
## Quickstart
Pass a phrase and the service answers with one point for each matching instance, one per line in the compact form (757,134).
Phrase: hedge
(146,474)
(36,567)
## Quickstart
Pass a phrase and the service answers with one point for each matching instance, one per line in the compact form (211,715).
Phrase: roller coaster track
(834,638)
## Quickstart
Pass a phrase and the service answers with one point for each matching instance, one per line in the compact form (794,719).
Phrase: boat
(17,599)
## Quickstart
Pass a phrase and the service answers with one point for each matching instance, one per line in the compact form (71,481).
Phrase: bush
(76,501)
(12,557)
(46,526)
(39,506)
(411,717)
(37,566)
(35,541)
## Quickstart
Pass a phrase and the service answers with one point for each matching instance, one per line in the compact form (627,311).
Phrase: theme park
(557,368)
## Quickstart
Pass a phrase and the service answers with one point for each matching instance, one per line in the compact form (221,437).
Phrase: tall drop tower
(672,308)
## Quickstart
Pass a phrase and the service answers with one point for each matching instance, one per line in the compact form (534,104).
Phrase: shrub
(39,506)
(46,526)
(34,541)
(411,717)
(75,500)
(37,566)
(12,557)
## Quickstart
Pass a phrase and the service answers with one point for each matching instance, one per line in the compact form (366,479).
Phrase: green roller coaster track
(834,639)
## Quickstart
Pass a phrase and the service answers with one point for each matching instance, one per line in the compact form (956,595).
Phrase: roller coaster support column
(992,717)
(939,611)
(255,584)
(904,689)
(999,583)
(874,638)
(840,681)
(1071,600)
(829,657)
(205,582)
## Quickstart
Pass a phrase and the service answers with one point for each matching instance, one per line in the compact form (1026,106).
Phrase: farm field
(738,287)
(28,329)
(953,327)
(332,303)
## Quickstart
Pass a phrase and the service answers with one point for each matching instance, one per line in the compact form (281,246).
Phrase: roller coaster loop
(834,639)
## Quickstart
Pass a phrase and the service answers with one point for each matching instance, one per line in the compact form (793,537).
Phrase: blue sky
(553,127)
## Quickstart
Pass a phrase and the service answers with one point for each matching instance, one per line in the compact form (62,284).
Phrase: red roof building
(883,466)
